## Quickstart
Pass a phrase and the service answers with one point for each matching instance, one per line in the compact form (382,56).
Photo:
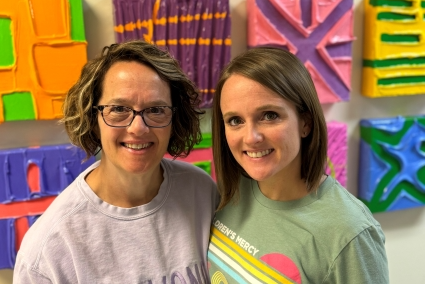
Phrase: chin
(258,176)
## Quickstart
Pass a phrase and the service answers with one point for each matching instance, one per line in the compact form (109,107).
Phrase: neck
(125,190)
(284,190)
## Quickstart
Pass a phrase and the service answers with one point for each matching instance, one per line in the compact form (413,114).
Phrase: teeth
(137,146)
(258,154)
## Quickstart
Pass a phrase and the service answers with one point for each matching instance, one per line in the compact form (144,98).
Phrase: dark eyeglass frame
(135,112)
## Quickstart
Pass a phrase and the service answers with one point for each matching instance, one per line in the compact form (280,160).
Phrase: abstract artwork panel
(30,179)
(48,38)
(201,155)
(319,32)
(392,163)
(196,32)
(393,48)
(337,151)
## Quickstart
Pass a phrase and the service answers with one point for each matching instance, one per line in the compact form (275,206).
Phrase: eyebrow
(120,101)
(261,108)
(269,106)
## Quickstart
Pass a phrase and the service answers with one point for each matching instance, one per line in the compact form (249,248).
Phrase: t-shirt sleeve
(23,274)
(363,260)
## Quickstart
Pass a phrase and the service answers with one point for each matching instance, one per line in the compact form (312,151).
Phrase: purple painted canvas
(196,32)
(318,32)
(30,179)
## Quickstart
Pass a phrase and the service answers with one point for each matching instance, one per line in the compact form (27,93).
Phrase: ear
(306,123)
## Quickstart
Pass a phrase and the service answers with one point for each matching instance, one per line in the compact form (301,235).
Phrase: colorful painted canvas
(30,179)
(392,163)
(319,32)
(393,49)
(42,51)
(201,155)
(337,151)
(196,32)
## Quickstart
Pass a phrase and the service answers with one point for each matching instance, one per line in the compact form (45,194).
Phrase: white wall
(404,230)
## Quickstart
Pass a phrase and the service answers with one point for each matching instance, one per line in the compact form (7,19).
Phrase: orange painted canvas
(42,52)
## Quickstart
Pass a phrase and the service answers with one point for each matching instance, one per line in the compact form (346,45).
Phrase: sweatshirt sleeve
(363,260)
(24,274)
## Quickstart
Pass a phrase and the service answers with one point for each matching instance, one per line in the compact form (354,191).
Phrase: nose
(138,126)
(253,134)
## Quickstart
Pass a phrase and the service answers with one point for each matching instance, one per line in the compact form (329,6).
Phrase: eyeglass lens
(122,116)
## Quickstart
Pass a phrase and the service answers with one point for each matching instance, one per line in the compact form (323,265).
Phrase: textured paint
(337,151)
(7,57)
(319,32)
(394,49)
(196,32)
(18,106)
(49,51)
(30,179)
(201,155)
(392,163)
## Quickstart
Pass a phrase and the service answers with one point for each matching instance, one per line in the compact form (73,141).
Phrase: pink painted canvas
(337,151)
(319,32)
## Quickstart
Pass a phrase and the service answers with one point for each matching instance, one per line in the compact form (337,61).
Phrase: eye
(234,121)
(119,109)
(156,110)
(270,115)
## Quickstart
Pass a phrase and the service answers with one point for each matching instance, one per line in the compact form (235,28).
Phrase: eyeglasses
(121,116)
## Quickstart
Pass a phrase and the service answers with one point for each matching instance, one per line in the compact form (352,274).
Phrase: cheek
(230,138)
(164,135)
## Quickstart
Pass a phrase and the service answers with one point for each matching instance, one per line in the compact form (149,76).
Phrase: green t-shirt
(328,236)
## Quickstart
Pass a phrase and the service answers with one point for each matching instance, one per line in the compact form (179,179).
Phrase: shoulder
(180,168)
(365,256)
(343,215)
(191,180)
(51,223)
(346,208)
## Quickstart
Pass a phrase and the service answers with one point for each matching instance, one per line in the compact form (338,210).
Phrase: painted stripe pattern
(238,264)
(195,32)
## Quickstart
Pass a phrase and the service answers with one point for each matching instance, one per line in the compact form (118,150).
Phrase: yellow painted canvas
(394,48)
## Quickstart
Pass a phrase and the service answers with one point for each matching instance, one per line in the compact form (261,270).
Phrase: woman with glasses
(133,216)
(281,219)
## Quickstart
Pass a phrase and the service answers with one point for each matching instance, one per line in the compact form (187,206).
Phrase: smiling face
(262,129)
(136,148)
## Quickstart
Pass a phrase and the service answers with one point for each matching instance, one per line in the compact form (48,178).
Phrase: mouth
(259,154)
(136,146)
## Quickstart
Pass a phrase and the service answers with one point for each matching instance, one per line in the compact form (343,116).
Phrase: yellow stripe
(331,167)
(119,29)
(220,16)
(160,42)
(247,266)
(173,20)
(242,273)
(204,41)
(206,16)
(190,41)
(218,278)
(250,258)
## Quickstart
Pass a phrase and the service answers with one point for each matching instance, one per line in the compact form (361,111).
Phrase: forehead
(241,93)
(134,82)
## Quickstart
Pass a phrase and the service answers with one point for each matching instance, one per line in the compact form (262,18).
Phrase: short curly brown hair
(80,119)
